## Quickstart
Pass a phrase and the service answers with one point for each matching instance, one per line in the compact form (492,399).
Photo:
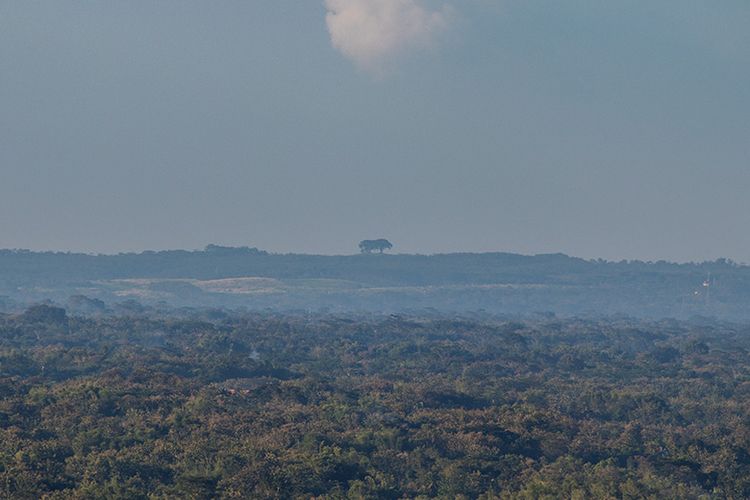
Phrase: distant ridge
(497,281)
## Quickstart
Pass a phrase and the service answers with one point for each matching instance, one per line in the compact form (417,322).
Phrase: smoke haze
(371,33)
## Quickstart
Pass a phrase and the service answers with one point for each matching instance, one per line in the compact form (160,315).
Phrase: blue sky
(599,129)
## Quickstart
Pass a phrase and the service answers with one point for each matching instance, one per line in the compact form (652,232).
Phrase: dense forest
(496,282)
(213,404)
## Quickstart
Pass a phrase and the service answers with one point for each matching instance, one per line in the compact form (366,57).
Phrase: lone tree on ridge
(369,246)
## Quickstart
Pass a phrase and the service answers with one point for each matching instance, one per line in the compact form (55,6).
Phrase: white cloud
(373,32)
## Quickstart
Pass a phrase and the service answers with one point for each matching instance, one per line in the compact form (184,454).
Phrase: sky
(616,130)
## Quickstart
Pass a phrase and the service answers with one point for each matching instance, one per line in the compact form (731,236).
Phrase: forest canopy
(263,405)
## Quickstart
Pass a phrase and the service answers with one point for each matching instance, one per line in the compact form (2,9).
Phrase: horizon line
(258,251)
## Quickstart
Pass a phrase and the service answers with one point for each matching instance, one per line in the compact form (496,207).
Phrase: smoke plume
(374,32)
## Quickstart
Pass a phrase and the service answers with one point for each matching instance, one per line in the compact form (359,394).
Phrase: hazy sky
(599,129)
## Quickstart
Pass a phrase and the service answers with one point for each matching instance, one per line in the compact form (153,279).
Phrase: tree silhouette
(369,246)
